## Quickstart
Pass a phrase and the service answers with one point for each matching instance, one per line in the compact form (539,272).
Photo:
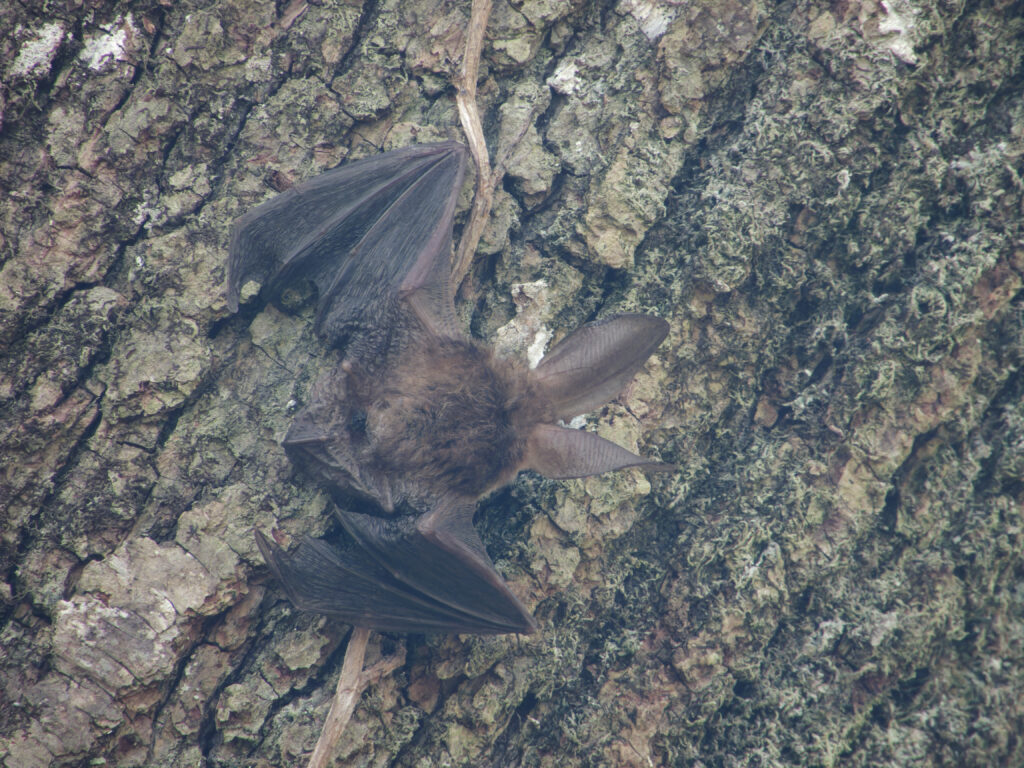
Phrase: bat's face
(418,419)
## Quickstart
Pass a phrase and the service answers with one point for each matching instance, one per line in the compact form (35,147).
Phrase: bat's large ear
(592,364)
(561,453)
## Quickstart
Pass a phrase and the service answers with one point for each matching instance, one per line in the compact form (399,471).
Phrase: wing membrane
(398,580)
(368,234)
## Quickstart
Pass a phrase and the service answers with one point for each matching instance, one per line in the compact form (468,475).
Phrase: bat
(418,421)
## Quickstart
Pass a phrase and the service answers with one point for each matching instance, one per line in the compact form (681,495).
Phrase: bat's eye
(357,422)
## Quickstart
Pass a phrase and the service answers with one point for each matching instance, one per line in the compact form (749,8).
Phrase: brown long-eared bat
(418,420)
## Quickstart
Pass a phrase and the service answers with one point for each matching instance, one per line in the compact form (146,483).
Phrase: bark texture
(823,198)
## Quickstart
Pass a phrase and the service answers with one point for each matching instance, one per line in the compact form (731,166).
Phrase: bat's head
(456,418)
(446,416)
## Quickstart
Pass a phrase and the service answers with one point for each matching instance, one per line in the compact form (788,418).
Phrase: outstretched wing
(367,234)
(429,575)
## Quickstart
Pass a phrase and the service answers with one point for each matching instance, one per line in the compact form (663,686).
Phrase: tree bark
(824,200)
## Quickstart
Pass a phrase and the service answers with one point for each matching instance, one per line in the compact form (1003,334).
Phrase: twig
(469,116)
(487,180)
(295,9)
(350,686)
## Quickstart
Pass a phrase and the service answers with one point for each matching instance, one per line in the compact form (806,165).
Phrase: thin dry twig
(487,179)
(469,116)
(295,9)
(350,685)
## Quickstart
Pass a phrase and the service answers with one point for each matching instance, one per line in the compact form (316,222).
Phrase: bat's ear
(593,363)
(561,453)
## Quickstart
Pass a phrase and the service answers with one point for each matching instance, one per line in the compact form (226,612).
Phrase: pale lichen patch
(527,332)
(899,23)
(653,17)
(111,45)
(37,53)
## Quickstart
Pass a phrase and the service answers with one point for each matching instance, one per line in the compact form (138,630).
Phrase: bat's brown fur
(449,416)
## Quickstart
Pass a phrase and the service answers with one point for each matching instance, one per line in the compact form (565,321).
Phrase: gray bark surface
(823,199)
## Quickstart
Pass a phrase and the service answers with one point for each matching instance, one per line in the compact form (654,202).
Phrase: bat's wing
(353,587)
(406,576)
(368,234)
(440,555)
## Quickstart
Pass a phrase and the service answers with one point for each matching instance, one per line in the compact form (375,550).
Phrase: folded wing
(369,234)
(429,575)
